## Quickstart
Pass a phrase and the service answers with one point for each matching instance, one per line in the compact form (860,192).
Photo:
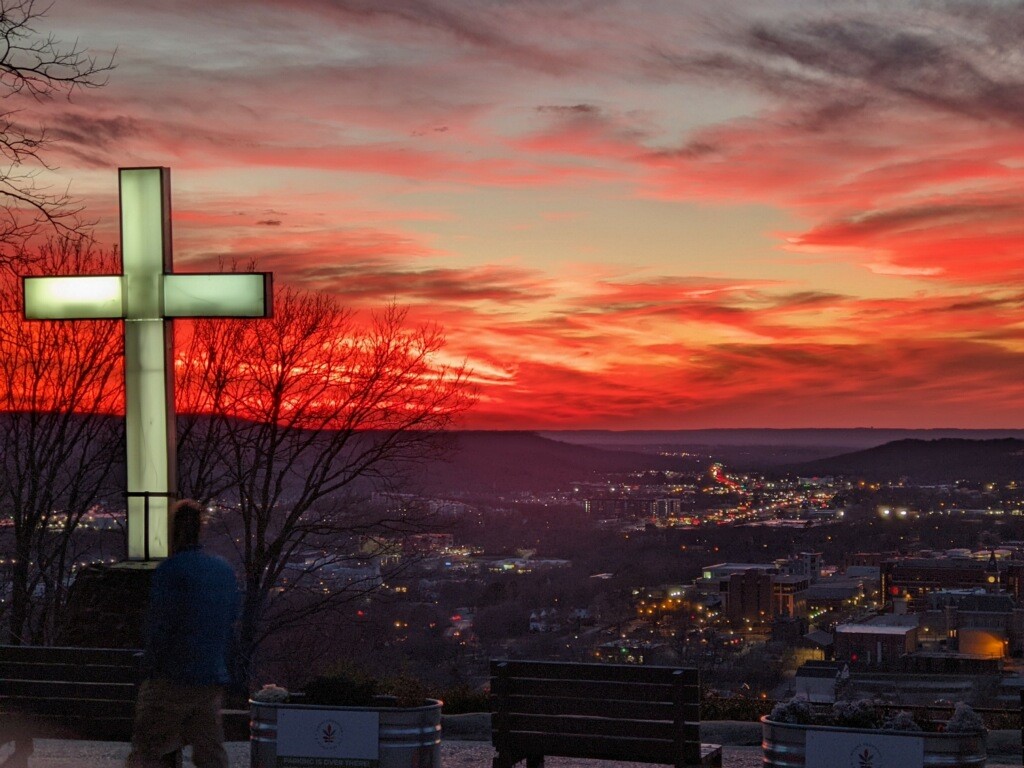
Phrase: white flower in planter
(796,710)
(271,694)
(900,721)
(964,720)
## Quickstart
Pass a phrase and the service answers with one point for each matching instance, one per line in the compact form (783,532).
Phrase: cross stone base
(107,606)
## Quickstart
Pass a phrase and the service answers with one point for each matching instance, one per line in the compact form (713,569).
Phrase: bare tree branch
(58,384)
(295,421)
(36,67)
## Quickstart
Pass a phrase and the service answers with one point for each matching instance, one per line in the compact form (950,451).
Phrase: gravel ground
(454,754)
(478,754)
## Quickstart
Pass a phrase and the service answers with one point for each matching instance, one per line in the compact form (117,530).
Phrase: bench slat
(90,727)
(592,689)
(589,708)
(65,689)
(612,672)
(39,654)
(622,710)
(86,673)
(597,726)
(67,707)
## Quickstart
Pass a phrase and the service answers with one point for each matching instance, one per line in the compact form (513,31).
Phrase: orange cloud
(455,158)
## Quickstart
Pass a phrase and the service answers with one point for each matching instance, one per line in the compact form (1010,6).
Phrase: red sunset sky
(625,213)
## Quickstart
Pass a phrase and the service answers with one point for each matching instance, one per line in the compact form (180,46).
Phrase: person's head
(188,522)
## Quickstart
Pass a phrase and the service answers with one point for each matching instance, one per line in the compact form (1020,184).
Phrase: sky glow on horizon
(625,214)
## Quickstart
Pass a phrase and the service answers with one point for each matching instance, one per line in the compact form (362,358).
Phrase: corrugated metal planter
(408,737)
(789,745)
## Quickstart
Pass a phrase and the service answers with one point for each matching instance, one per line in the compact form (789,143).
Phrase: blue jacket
(193,603)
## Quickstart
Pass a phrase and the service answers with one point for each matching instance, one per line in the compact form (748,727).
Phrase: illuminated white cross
(147,296)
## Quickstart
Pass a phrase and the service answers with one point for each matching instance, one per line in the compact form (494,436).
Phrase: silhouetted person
(192,609)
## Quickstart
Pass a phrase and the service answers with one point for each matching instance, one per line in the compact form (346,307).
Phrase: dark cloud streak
(954,62)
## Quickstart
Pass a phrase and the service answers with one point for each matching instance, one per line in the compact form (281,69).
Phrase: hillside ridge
(943,460)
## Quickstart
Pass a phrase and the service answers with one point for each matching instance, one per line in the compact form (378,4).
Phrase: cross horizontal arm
(233,294)
(91,297)
(96,297)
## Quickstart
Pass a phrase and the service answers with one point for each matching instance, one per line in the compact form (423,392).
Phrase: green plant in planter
(341,689)
(901,721)
(462,699)
(405,691)
(867,714)
(964,720)
(797,711)
(862,713)
(346,686)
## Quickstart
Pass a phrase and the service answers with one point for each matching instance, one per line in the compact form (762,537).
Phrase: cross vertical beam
(145,195)
(147,296)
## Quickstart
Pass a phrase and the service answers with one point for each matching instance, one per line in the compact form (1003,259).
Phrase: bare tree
(59,383)
(35,67)
(296,420)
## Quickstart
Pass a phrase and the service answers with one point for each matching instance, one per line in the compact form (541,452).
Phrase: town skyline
(625,216)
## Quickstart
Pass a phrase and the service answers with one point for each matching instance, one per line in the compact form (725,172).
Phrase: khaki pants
(170,715)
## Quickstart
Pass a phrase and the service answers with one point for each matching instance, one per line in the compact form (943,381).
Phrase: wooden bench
(76,693)
(65,693)
(596,711)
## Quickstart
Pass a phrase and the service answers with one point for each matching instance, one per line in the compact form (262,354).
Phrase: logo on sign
(864,756)
(328,734)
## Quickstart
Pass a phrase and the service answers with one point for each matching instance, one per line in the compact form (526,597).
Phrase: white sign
(327,738)
(834,749)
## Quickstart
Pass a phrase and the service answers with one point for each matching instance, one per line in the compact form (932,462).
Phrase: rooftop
(889,624)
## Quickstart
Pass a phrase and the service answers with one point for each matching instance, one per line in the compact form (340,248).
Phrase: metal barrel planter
(785,745)
(407,737)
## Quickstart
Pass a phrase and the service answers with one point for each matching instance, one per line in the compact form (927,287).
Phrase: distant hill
(486,462)
(499,462)
(928,461)
(756,450)
(841,439)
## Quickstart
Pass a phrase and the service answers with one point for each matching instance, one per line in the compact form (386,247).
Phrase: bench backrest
(599,711)
(69,692)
